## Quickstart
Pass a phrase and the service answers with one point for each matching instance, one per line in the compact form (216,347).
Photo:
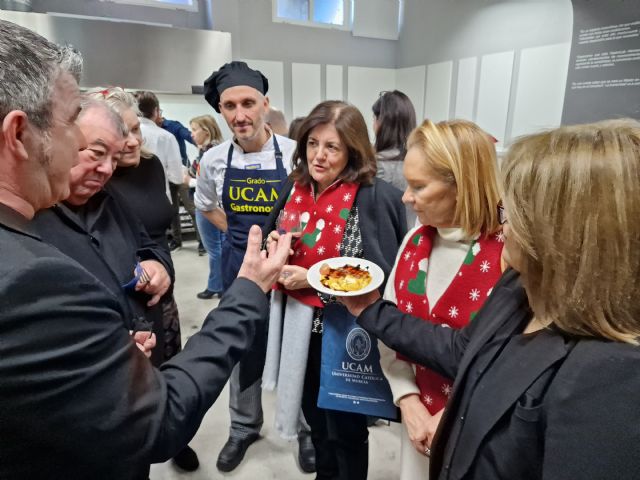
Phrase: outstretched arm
(71,371)
(424,343)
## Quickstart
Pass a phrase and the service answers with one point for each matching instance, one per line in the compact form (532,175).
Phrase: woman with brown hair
(345,211)
(546,374)
(206,134)
(394,118)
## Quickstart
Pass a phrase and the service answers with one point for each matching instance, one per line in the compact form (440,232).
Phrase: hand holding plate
(356,305)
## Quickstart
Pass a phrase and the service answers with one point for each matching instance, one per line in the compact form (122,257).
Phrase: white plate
(377,275)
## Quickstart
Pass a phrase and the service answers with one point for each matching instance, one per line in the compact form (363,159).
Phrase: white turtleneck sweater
(450,247)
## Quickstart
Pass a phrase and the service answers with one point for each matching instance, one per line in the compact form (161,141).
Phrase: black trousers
(340,438)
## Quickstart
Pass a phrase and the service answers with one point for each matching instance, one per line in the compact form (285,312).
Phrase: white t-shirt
(213,166)
(165,146)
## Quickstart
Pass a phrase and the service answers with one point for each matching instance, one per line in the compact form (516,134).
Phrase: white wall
(306,88)
(508,93)
(540,88)
(364,86)
(493,94)
(500,63)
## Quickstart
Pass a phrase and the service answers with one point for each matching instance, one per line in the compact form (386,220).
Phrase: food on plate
(347,278)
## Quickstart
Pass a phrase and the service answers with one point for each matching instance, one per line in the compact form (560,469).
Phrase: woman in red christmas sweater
(446,267)
(343,210)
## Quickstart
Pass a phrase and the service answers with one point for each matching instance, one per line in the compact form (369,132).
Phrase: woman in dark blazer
(546,375)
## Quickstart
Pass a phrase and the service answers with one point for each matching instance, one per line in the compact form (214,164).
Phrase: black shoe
(187,459)
(174,246)
(201,250)
(306,453)
(233,452)
(207,294)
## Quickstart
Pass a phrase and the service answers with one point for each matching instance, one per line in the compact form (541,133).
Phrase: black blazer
(78,400)
(107,239)
(538,406)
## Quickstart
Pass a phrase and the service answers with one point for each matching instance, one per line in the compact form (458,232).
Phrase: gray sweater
(390,170)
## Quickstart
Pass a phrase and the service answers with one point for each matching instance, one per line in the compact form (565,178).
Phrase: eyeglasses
(502,214)
(383,93)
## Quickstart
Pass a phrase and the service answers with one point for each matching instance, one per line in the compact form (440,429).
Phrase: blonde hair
(573,203)
(119,100)
(462,154)
(209,124)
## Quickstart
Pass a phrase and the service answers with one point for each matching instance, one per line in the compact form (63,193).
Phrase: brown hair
(276,121)
(352,129)
(572,197)
(462,154)
(396,119)
(147,103)
(294,128)
(209,124)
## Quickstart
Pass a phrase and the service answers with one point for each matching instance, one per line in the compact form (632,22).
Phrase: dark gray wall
(133,55)
(441,30)
(254,34)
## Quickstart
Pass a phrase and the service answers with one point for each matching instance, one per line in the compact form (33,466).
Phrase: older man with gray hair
(77,398)
(94,227)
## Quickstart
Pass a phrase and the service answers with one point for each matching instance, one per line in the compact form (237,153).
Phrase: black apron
(248,196)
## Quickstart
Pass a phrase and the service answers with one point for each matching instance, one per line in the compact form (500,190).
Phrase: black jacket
(537,406)
(78,400)
(107,240)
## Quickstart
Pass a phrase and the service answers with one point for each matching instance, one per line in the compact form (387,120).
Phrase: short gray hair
(29,67)
(114,117)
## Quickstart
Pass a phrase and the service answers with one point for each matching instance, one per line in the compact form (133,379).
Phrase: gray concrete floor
(270,457)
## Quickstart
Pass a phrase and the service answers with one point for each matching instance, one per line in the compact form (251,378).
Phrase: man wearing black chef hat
(237,186)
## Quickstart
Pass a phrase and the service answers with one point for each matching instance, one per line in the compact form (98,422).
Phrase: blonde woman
(546,375)
(445,267)
(139,178)
(205,133)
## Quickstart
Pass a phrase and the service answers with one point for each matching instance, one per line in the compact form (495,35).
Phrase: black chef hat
(232,74)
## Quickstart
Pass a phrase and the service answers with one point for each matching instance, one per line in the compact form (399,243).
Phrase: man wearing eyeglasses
(78,399)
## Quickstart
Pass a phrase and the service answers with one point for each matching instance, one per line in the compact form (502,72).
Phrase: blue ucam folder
(351,378)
